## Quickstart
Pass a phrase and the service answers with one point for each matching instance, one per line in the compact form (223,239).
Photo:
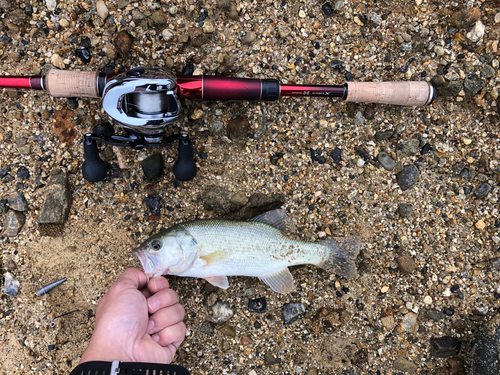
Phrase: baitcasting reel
(144,102)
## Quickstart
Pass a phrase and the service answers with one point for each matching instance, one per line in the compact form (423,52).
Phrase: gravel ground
(419,185)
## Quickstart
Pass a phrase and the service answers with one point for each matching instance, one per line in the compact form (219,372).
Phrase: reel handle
(184,167)
(93,168)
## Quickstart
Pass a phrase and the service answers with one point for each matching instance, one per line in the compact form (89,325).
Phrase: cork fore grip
(413,93)
(67,83)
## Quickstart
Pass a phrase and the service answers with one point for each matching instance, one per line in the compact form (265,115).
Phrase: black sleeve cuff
(122,368)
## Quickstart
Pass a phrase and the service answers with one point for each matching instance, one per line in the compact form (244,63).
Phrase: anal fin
(280,282)
(218,281)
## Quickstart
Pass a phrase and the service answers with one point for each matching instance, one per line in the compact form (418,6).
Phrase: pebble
(472,87)
(258,305)
(445,346)
(239,199)
(405,365)
(221,312)
(123,42)
(483,357)
(388,322)
(228,331)
(10,284)
(435,315)
(57,200)
(407,177)
(326,8)
(292,312)
(224,4)
(405,209)
(51,5)
(207,328)
(155,204)
(477,32)
(406,264)
(269,359)
(249,38)
(10,265)
(407,148)
(17,201)
(336,155)
(465,17)
(153,167)
(167,35)
(217,199)
(102,9)
(482,191)
(84,55)
(409,323)
(384,135)
(23,173)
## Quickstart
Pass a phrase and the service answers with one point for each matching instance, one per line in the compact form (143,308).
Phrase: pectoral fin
(280,282)
(218,281)
(216,256)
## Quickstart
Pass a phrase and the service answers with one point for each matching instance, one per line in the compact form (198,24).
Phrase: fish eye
(156,245)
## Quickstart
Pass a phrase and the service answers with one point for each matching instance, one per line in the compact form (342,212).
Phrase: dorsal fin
(277,219)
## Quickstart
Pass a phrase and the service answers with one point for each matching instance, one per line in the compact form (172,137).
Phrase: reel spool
(144,102)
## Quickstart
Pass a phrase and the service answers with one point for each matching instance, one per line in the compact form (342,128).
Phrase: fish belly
(248,249)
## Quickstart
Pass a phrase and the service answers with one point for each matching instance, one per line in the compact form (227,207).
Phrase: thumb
(133,278)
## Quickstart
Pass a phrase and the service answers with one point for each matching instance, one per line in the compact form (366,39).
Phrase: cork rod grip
(66,83)
(415,93)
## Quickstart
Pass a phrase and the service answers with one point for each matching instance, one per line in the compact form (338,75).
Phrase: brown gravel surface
(429,267)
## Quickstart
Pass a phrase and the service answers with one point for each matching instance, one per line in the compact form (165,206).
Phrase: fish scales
(213,249)
(271,253)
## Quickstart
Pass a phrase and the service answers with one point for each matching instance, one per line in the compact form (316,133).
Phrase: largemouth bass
(213,249)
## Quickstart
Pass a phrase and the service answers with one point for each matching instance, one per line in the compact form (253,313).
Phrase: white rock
(51,4)
(167,35)
(102,9)
(57,61)
(477,32)
(497,18)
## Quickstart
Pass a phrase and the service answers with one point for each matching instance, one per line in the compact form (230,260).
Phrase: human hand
(137,323)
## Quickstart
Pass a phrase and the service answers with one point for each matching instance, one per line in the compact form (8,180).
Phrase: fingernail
(153,304)
(156,338)
(151,324)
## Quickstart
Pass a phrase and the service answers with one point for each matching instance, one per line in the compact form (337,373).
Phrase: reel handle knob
(184,167)
(94,168)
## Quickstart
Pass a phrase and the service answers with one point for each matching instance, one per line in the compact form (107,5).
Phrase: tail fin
(343,252)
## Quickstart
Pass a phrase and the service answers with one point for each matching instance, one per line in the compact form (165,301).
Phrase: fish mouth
(149,263)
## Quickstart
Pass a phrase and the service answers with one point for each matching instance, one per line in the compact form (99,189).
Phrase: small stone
(407,177)
(284,31)
(483,357)
(233,13)
(374,19)
(445,346)
(17,201)
(327,9)
(292,312)
(472,87)
(51,5)
(406,264)
(221,312)
(57,61)
(480,225)
(207,328)
(239,199)
(63,126)
(258,305)
(384,135)
(477,32)
(167,35)
(238,128)
(154,204)
(208,27)
(123,42)
(10,284)
(269,359)
(407,148)
(369,113)
(384,289)
(84,55)
(388,322)
(14,221)
(456,366)
(10,265)
(159,18)
(487,71)
(405,209)
(23,173)
(228,331)
(153,167)
(482,191)
(217,199)
(386,160)
(101,9)
(405,365)
(224,4)
(336,155)
(427,300)
(409,323)
(245,340)
(57,201)
(465,17)
(435,315)
(249,38)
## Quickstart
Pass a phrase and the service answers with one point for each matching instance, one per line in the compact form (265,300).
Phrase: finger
(173,335)
(134,278)
(146,293)
(164,298)
(157,283)
(165,317)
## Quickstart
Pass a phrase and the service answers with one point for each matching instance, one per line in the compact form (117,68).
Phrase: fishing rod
(144,101)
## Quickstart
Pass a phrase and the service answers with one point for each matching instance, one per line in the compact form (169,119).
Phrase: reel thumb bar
(63,83)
